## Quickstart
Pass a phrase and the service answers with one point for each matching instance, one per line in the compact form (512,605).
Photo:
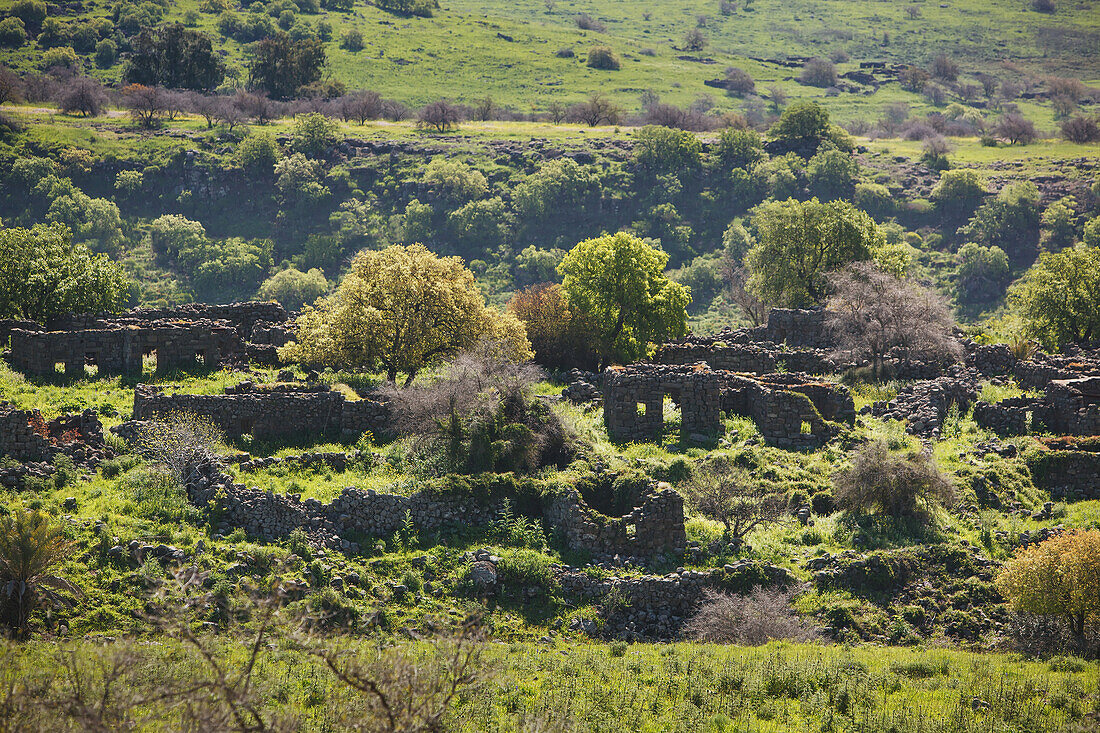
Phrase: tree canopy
(281,65)
(1058,577)
(176,57)
(402,309)
(44,275)
(617,282)
(798,243)
(1058,298)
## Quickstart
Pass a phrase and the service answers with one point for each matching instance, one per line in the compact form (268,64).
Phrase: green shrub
(258,152)
(602,57)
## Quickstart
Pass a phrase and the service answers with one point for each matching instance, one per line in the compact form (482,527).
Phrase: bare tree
(556,111)
(596,110)
(360,106)
(737,278)
(11,86)
(753,619)
(84,95)
(738,82)
(259,107)
(871,312)
(720,490)
(1016,129)
(181,443)
(205,105)
(407,693)
(944,67)
(440,116)
(146,104)
(229,114)
(695,40)
(1081,130)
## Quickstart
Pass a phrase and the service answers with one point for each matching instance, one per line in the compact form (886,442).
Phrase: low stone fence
(269,412)
(655,525)
(1069,475)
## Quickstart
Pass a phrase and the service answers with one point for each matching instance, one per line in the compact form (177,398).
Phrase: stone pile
(925,405)
(26,437)
(330,459)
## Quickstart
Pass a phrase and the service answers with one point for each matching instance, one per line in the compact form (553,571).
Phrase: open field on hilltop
(509,51)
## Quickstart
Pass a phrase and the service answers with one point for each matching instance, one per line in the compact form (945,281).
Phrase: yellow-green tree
(617,283)
(401,309)
(1058,577)
(1058,298)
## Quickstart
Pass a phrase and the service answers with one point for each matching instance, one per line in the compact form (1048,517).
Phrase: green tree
(401,309)
(739,149)
(172,234)
(661,150)
(617,282)
(832,174)
(1010,221)
(796,244)
(280,65)
(313,134)
(454,181)
(175,57)
(1059,224)
(804,126)
(559,188)
(259,152)
(293,288)
(959,191)
(981,274)
(1058,298)
(44,275)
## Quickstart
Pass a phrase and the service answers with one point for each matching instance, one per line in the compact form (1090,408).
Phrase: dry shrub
(181,443)
(753,619)
(893,483)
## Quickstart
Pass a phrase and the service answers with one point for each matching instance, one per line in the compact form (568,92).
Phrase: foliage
(44,275)
(727,493)
(258,151)
(456,182)
(293,288)
(559,337)
(959,190)
(1059,224)
(175,57)
(280,65)
(739,148)
(31,546)
(602,57)
(1058,298)
(797,244)
(1058,577)
(402,308)
(895,484)
(1010,221)
(982,272)
(617,283)
(871,312)
(313,134)
(661,150)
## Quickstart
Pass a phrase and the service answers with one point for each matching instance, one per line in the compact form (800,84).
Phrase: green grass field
(476,48)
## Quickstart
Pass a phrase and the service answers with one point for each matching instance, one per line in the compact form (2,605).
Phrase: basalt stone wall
(1006,418)
(240,316)
(634,400)
(273,334)
(21,434)
(797,327)
(1068,475)
(786,410)
(752,358)
(119,349)
(992,360)
(655,525)
(7,325)
(268,412)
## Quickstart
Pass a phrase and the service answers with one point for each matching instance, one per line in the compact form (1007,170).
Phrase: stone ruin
(26,437)
(281,409)
(790,410)
(184,337)
(655,524)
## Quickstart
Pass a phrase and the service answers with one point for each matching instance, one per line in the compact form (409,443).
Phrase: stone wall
(655,525)
(1068,475)
(1067,407)
(796,327)
(634,400)
(790,410)
(241,316)
(23,434)
(119,349)
(285,410)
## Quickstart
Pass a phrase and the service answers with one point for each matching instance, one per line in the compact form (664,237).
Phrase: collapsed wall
(270,410)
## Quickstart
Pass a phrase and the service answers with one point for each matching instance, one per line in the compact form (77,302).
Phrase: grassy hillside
(473,48)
